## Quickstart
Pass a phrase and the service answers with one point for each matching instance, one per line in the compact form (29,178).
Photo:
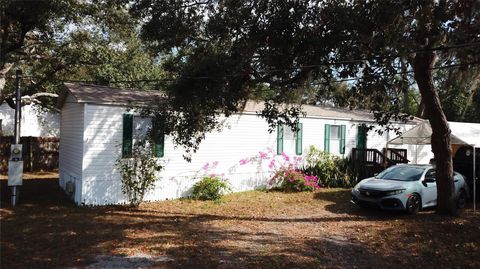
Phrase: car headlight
(394,192)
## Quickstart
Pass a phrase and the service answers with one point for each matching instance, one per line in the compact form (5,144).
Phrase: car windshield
(401,173)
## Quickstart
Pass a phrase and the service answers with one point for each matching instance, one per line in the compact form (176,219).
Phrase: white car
(405,187)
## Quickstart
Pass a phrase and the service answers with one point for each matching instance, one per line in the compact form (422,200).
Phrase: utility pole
(18,106)
(15,164)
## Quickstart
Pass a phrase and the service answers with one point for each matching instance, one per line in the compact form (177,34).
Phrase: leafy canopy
(53,41)
(225,52)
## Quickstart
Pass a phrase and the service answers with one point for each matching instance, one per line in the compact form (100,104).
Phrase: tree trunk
(423,64)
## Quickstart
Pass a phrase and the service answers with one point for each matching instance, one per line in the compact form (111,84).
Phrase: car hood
(382,184)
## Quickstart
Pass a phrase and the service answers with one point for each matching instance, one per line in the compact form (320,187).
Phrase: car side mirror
(375,174)
(429,180)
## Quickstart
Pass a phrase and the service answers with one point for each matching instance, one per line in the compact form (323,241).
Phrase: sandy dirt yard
(254,229)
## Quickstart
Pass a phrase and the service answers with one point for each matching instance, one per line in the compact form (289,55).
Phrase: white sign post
(15,164)
(474,183)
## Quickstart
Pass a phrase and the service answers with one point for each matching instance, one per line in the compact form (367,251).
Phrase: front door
(361,142)
(362,137)
(429,197)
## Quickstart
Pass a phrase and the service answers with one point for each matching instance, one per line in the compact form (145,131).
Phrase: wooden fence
(39,153)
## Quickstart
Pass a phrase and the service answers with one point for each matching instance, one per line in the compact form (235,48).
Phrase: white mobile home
(35,121)
(96,124)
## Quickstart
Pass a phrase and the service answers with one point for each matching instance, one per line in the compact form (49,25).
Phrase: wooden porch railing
(372,157)
(372,161)
(396,155)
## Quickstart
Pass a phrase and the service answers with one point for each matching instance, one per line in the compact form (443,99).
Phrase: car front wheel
(413,204)
(461,200)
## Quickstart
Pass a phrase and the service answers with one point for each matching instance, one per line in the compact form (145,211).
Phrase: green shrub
(291,180)
(331,171)
(138,173)
(356,170)
(210,188)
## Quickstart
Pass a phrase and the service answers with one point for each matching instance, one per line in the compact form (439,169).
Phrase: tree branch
(473,90)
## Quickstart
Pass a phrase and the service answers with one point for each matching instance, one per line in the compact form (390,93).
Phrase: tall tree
(53,41)
(225,51)
(459,92)
(421,30)
(24,25)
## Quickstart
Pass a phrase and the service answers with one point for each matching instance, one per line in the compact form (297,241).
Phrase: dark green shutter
(158,139)
(343,130)
(362,137)
(326,146)
(298,142)
(127,135)
(279,139)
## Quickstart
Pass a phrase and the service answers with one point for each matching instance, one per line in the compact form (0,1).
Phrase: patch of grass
(35,175)
(249,229)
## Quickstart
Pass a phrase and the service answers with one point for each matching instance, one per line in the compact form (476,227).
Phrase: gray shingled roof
(120,96)
(328,112)
(95,94)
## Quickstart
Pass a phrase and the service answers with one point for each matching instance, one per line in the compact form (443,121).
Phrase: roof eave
(62,96)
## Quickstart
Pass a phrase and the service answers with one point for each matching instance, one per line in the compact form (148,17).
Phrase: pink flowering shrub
(289,179)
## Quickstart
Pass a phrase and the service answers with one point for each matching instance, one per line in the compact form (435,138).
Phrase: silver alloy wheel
(413,204)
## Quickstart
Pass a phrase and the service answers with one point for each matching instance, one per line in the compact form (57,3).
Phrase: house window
(334,139)
(141,126)
(287,139)
(136,128)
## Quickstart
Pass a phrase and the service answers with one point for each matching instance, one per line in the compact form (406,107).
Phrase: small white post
(474,184)
(386,153)
(15,164)
(416,153)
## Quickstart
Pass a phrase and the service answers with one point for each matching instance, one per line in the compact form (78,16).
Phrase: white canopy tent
(421,135)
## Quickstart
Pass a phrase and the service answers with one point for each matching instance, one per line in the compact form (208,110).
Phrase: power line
(397,73)
(345,62)
(439,48)
(448,47)
(238,75)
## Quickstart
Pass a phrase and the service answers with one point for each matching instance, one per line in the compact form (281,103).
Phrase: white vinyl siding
(71,145)
(35,121)
(234,152)
(102,148)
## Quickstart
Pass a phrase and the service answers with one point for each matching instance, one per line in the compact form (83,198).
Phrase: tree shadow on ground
(46,230)
(340,204)
(45,192)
